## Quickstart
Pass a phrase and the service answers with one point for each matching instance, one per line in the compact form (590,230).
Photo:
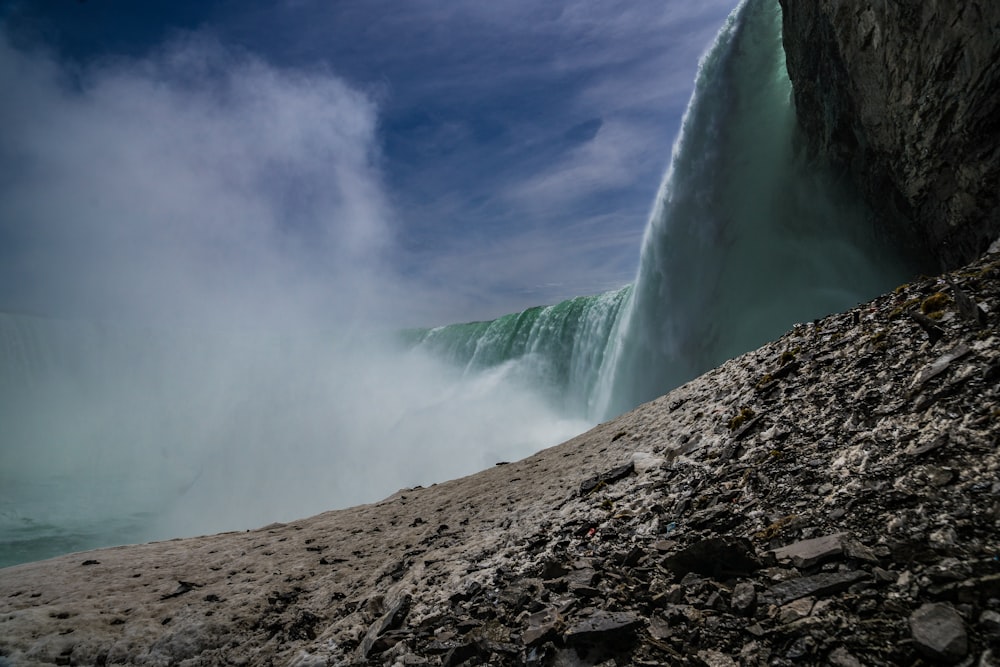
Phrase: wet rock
(605,623)
(716,557)
(659,628)
(605,478)
(460,653)
(801,648)
(989,622)
(919,449)
(885,576)
(841,657)
(186,641)
(941,364)
(644,462)
(541,626)
(391,620)
(473,589)
(605,627)
(744,598)
(908,129)
(975,589)
(967,307)
(818,584)
(806,553)
(711,658)
(182,588)
(857,551)
(796,610)
(939,632)
(929,326)
(553,569)
(718,518)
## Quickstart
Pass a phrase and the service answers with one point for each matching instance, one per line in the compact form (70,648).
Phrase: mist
(200,306)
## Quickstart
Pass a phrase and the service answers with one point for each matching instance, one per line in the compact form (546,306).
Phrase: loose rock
(806,553)
(939,633)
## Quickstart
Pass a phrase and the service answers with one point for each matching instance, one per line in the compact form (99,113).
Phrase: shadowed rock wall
(906,97)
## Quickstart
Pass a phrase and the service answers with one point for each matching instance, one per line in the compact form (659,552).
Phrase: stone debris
(856,523)
(541,626)
(744,598)
(841,657)
(605,478)
(182,588)
(714,557)
(796,610)
(939,632)
(817,584)
(391,620)
(929,326)
(941,364)
(603,627)
(806,553)
(967,307)
(716,659)
(989,621)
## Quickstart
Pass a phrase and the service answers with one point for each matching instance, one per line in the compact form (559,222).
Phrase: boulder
(939,632)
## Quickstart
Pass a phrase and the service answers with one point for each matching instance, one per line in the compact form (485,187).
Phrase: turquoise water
(564,346)
(113,434)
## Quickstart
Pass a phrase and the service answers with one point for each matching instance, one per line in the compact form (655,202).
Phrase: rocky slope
(831,498)
(906,96)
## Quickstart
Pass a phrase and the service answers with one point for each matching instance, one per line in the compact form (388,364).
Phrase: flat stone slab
(811,552)
(819,585)
(603,626)
(939,632)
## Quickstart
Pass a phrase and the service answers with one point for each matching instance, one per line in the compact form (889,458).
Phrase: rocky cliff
(906,97)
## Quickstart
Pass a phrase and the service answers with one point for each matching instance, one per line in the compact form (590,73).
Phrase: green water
(563,347)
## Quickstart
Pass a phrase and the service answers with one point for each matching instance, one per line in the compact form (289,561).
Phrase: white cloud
(193,182)
(212,192)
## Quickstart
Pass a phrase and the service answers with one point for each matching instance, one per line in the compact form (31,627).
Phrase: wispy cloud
(480,102)
(606,162)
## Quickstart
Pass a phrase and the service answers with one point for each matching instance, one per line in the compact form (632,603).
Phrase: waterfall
(746,238)
(114,433)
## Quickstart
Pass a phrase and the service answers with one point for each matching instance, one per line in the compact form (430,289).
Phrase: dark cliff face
(906,97)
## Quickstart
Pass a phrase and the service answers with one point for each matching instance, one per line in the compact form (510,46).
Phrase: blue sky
(440,161)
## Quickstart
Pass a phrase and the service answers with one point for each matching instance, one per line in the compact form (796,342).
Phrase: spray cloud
(195,245)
